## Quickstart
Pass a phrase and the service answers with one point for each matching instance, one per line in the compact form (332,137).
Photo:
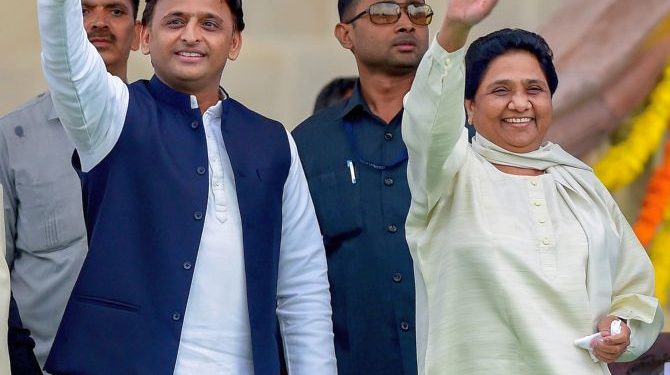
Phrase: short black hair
(334,91)
(343,6)
(485,49)
(234,5)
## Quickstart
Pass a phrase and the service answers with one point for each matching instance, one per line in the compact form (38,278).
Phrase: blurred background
(288,53)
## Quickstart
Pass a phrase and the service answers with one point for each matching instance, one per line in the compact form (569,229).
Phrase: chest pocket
(338,207)
(50,214)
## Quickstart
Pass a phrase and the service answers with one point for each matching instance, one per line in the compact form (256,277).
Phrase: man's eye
(210,25)
(175,22)
(118,12)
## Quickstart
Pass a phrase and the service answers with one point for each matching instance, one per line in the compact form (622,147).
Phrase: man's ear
(343,34)
(235,46)
(145,38)
(137,34)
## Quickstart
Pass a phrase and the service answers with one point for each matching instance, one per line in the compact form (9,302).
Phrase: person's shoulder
(32,113)
(319,124)
(257,118)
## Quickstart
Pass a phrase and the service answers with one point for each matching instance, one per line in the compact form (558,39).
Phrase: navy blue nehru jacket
(144,207)
(356,167)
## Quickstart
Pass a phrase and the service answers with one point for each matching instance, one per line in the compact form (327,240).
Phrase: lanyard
(351,137)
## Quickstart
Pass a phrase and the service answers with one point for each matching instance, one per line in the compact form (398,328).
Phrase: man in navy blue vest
(202,234)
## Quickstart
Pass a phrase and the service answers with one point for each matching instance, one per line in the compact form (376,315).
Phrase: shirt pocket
(338,207)
(50,213)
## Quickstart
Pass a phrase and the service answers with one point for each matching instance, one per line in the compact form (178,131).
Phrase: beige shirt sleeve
(4,297)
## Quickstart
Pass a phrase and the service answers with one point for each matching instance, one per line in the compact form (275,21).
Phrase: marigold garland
(656,199)
(624,162)
(660,257)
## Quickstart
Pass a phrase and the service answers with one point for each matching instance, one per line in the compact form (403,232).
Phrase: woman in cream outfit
(4,296)
(518,249)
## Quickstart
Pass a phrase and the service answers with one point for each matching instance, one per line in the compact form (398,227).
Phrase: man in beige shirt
(4,297)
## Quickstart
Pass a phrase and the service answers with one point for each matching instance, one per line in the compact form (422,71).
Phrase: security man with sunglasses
(355,162)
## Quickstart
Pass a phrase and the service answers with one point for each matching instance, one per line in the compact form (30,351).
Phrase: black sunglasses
(387,12)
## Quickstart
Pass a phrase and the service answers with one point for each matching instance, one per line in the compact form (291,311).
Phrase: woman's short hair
(485,49)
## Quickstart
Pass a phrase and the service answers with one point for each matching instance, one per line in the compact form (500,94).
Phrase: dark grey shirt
(44,226)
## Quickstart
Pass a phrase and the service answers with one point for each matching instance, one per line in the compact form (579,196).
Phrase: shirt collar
(175,98)
(355,102)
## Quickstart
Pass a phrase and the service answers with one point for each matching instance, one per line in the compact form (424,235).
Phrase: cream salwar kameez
(506,276)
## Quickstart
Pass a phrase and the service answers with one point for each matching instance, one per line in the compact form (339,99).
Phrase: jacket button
(176,316)
(187,265)
(197,215)
(397,277)
(195,124)
(388,136)
(392,228)
(404,326)
(388,181)
(201,170)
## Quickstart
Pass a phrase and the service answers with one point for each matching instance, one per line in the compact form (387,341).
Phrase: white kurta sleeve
(4,297)
(90,102)
(432,124)
(303,295)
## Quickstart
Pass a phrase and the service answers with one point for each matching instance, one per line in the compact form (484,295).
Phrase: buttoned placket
(214,148)
(546,242)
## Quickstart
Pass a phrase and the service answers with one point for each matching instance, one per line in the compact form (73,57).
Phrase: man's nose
(404,24)
(98,19)
(191,33)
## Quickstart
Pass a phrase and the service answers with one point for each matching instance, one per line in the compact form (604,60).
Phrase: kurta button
(404,326)
(201,170)
(397,277)
(197,215)
(195,124)
(392,228)
(176,316)
(546,242)
(388,181)
(187,265)
(388,136)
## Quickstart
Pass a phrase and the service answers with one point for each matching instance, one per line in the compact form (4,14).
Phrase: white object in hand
(585,342)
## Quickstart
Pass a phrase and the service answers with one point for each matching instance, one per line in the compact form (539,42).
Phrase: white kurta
(500,260)
(4,296)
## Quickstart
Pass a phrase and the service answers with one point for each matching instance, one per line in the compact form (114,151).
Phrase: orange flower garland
(655,201)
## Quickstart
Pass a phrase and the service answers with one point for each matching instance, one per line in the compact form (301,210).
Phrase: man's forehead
(106,3)
(194,6)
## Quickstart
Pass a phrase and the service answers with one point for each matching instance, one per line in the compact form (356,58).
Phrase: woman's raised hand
(461,16)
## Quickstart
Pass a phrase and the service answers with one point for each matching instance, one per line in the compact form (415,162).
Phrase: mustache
(101,34)
(404,39)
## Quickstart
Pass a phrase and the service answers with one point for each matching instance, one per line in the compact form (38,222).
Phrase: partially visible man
(356,162)
(45,232)
(333,92)
(202,232)
(4,299)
